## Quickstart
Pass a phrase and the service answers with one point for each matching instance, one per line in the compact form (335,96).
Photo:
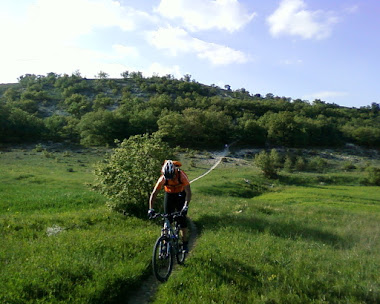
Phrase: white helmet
(168,169)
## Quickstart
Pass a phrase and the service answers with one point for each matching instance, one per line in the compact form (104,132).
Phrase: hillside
(95,112)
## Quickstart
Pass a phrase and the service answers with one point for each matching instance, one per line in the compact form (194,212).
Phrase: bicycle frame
(168,231)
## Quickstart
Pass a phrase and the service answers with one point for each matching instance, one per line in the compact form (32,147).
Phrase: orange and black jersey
(175,185)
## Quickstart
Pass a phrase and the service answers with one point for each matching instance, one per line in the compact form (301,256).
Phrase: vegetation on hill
(95,112)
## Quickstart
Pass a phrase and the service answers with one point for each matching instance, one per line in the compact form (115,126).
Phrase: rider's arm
(155,191)
(188,195)
(153,197)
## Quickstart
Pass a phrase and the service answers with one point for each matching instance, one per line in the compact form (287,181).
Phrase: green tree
(4,122)
(128,175)
(143,121)
(195,127)
(102,75)
(98,128)
(55,127)
(101,102)
(12,94)
(23,126)
(283,129)
(250,132)
(125,74)
(77,105)
(27,80)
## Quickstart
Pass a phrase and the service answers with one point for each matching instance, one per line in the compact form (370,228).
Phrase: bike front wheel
(162,260)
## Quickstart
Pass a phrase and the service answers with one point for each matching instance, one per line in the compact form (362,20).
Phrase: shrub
(318,164)
(300,164)
(288,164)
(128,175)
(267,164)
(38,148)
(47,154)
(347,166)
(276,158)
(373,176)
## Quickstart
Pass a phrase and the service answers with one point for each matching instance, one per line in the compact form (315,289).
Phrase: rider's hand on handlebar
(184,210)
(151,213)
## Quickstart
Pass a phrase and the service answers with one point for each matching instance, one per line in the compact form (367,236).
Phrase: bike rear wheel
(162,260)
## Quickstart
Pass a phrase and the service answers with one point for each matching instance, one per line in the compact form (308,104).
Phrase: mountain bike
(167,246)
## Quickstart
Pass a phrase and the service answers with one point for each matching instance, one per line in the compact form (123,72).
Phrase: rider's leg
(184,231)
(185,234)
(170,204)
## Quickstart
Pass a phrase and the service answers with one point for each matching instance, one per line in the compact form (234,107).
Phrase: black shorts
(175,202)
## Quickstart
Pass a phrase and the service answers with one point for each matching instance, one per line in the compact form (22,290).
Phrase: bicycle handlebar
(174,214)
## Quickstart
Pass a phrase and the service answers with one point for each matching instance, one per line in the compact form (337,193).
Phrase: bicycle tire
(162,259)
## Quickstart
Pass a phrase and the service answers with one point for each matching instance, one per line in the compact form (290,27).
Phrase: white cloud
(174,39)
(324,95)
(218,54)
(291,18)
(161,70)
(177,40)
(199,15)
(71,18)
(125,51)
(292,61)
(352,9)
(45,38)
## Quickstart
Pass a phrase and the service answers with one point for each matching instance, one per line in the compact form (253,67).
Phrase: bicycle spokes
(162,259)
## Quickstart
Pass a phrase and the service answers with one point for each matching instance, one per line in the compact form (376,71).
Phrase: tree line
(96,112)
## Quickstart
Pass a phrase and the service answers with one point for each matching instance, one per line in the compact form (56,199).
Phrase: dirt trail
(220,157)
(144,294)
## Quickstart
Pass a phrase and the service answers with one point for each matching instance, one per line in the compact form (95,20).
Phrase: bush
(373,176)
(267,164)
(288,164)
(128,175)
(347,166)
(318,164)
(300,164)
(276,158)
(38,148)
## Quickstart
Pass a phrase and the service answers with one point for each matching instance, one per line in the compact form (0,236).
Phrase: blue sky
(307,49)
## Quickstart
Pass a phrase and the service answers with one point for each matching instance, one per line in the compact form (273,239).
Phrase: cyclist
(177,195)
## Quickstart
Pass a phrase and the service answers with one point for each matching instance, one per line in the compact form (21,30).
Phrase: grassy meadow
(306,237)
(59,242)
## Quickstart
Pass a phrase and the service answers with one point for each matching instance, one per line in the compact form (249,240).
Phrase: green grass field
(59,243)
(303,238)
